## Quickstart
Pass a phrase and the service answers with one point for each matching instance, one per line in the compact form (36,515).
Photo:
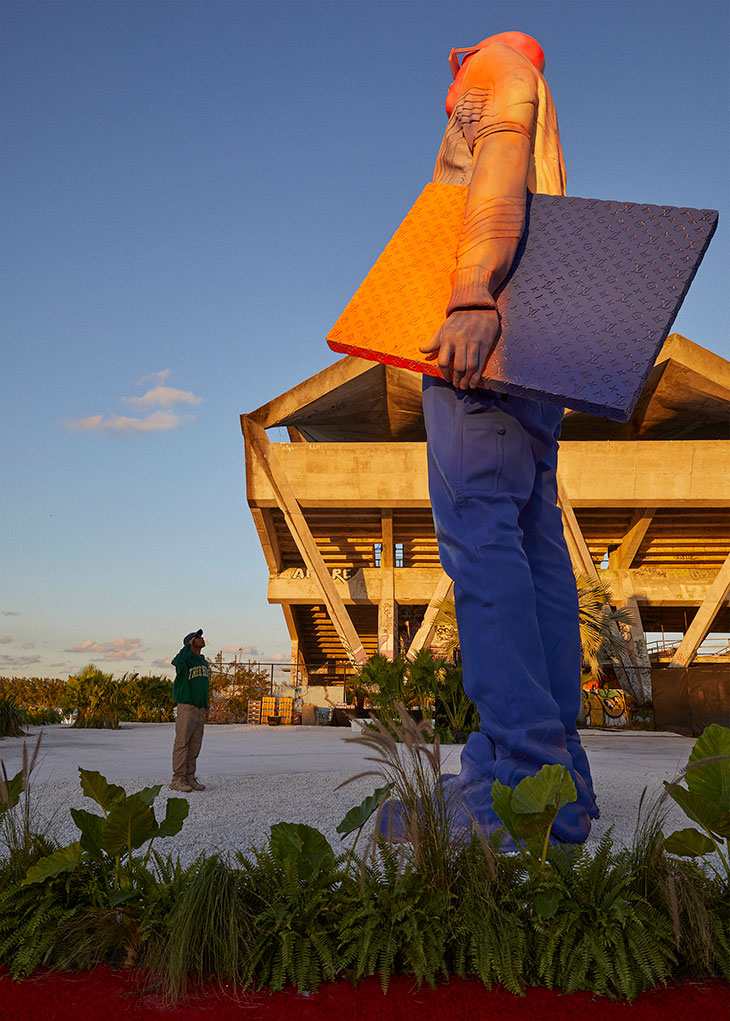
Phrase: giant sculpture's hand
(463,344)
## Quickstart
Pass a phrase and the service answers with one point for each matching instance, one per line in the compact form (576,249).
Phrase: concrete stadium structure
(343,514)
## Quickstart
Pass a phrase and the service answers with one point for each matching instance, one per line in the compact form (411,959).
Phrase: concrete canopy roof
(687,396)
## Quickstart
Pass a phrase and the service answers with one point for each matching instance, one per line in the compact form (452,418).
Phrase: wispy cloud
(247,650)
(158,421)
(6,640)
(154,377)
(10,613)
(6,662)
(118,649)
(279,657)
(162,662)
(160,397)
(163,397)
(28,645)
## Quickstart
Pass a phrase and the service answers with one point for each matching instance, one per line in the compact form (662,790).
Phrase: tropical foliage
(611,920)
(430,686)
(11,718)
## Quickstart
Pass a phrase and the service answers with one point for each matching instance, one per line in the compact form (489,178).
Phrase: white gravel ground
(256,776)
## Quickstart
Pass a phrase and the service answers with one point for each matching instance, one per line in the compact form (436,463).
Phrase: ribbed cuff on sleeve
(470,289)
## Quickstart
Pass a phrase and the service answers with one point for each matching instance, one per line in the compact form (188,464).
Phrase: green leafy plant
(456,715)
(602,935)
(41,716)
(33,692)
(99,700)
(146,699)
(696,904)
(490,934)
(600,639)
(199,926)
(528,810)
(296,890)
(21,841)
(705,800)
(413,779)
(385,680)
(109,840)
(396,923)
(11,718)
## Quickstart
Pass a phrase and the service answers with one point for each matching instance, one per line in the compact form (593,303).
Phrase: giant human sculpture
(564,301)
(492,457)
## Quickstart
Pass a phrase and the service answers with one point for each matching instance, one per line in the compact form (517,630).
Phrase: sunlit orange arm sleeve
(497,110)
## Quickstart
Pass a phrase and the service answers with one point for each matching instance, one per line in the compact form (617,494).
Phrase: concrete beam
(309,390)
(716,595)
(412,585)
(651,586)
(347,475)
(387,607)
(660,473)
(267,537)
(623,557)
(265,457)
(580,555)
(601,473)
(424,636)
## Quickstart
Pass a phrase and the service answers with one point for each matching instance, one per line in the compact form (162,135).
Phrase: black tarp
(686,701)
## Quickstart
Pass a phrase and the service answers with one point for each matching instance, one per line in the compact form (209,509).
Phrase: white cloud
(245,650)
(156,377)
(163,397)
(158,421)
(15,661)
(118,649)
(4,641)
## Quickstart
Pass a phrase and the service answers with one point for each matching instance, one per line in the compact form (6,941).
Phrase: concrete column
(387,608)
(716,595)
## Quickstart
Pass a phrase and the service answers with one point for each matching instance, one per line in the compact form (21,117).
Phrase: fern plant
(604,936)
(490,934)
(296,890)
(396,923)
(30,923)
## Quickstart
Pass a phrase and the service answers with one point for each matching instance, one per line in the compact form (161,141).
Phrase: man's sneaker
(180,785)
(196,785)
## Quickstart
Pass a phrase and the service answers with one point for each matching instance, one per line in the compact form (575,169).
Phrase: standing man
(492,457)
(190,690)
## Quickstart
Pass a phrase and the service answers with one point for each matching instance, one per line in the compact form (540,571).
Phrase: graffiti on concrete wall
(604,707)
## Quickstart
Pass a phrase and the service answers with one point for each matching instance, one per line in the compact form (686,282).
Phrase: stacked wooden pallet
(254,710)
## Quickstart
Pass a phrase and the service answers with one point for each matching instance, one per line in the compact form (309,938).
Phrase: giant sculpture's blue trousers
(492,461)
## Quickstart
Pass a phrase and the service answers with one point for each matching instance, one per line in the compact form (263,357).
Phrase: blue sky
(192,192)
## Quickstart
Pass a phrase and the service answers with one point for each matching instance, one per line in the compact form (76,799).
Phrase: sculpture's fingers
(431,347)
(446,354)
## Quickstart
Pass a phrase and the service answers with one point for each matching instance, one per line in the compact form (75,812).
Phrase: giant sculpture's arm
(498,119)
